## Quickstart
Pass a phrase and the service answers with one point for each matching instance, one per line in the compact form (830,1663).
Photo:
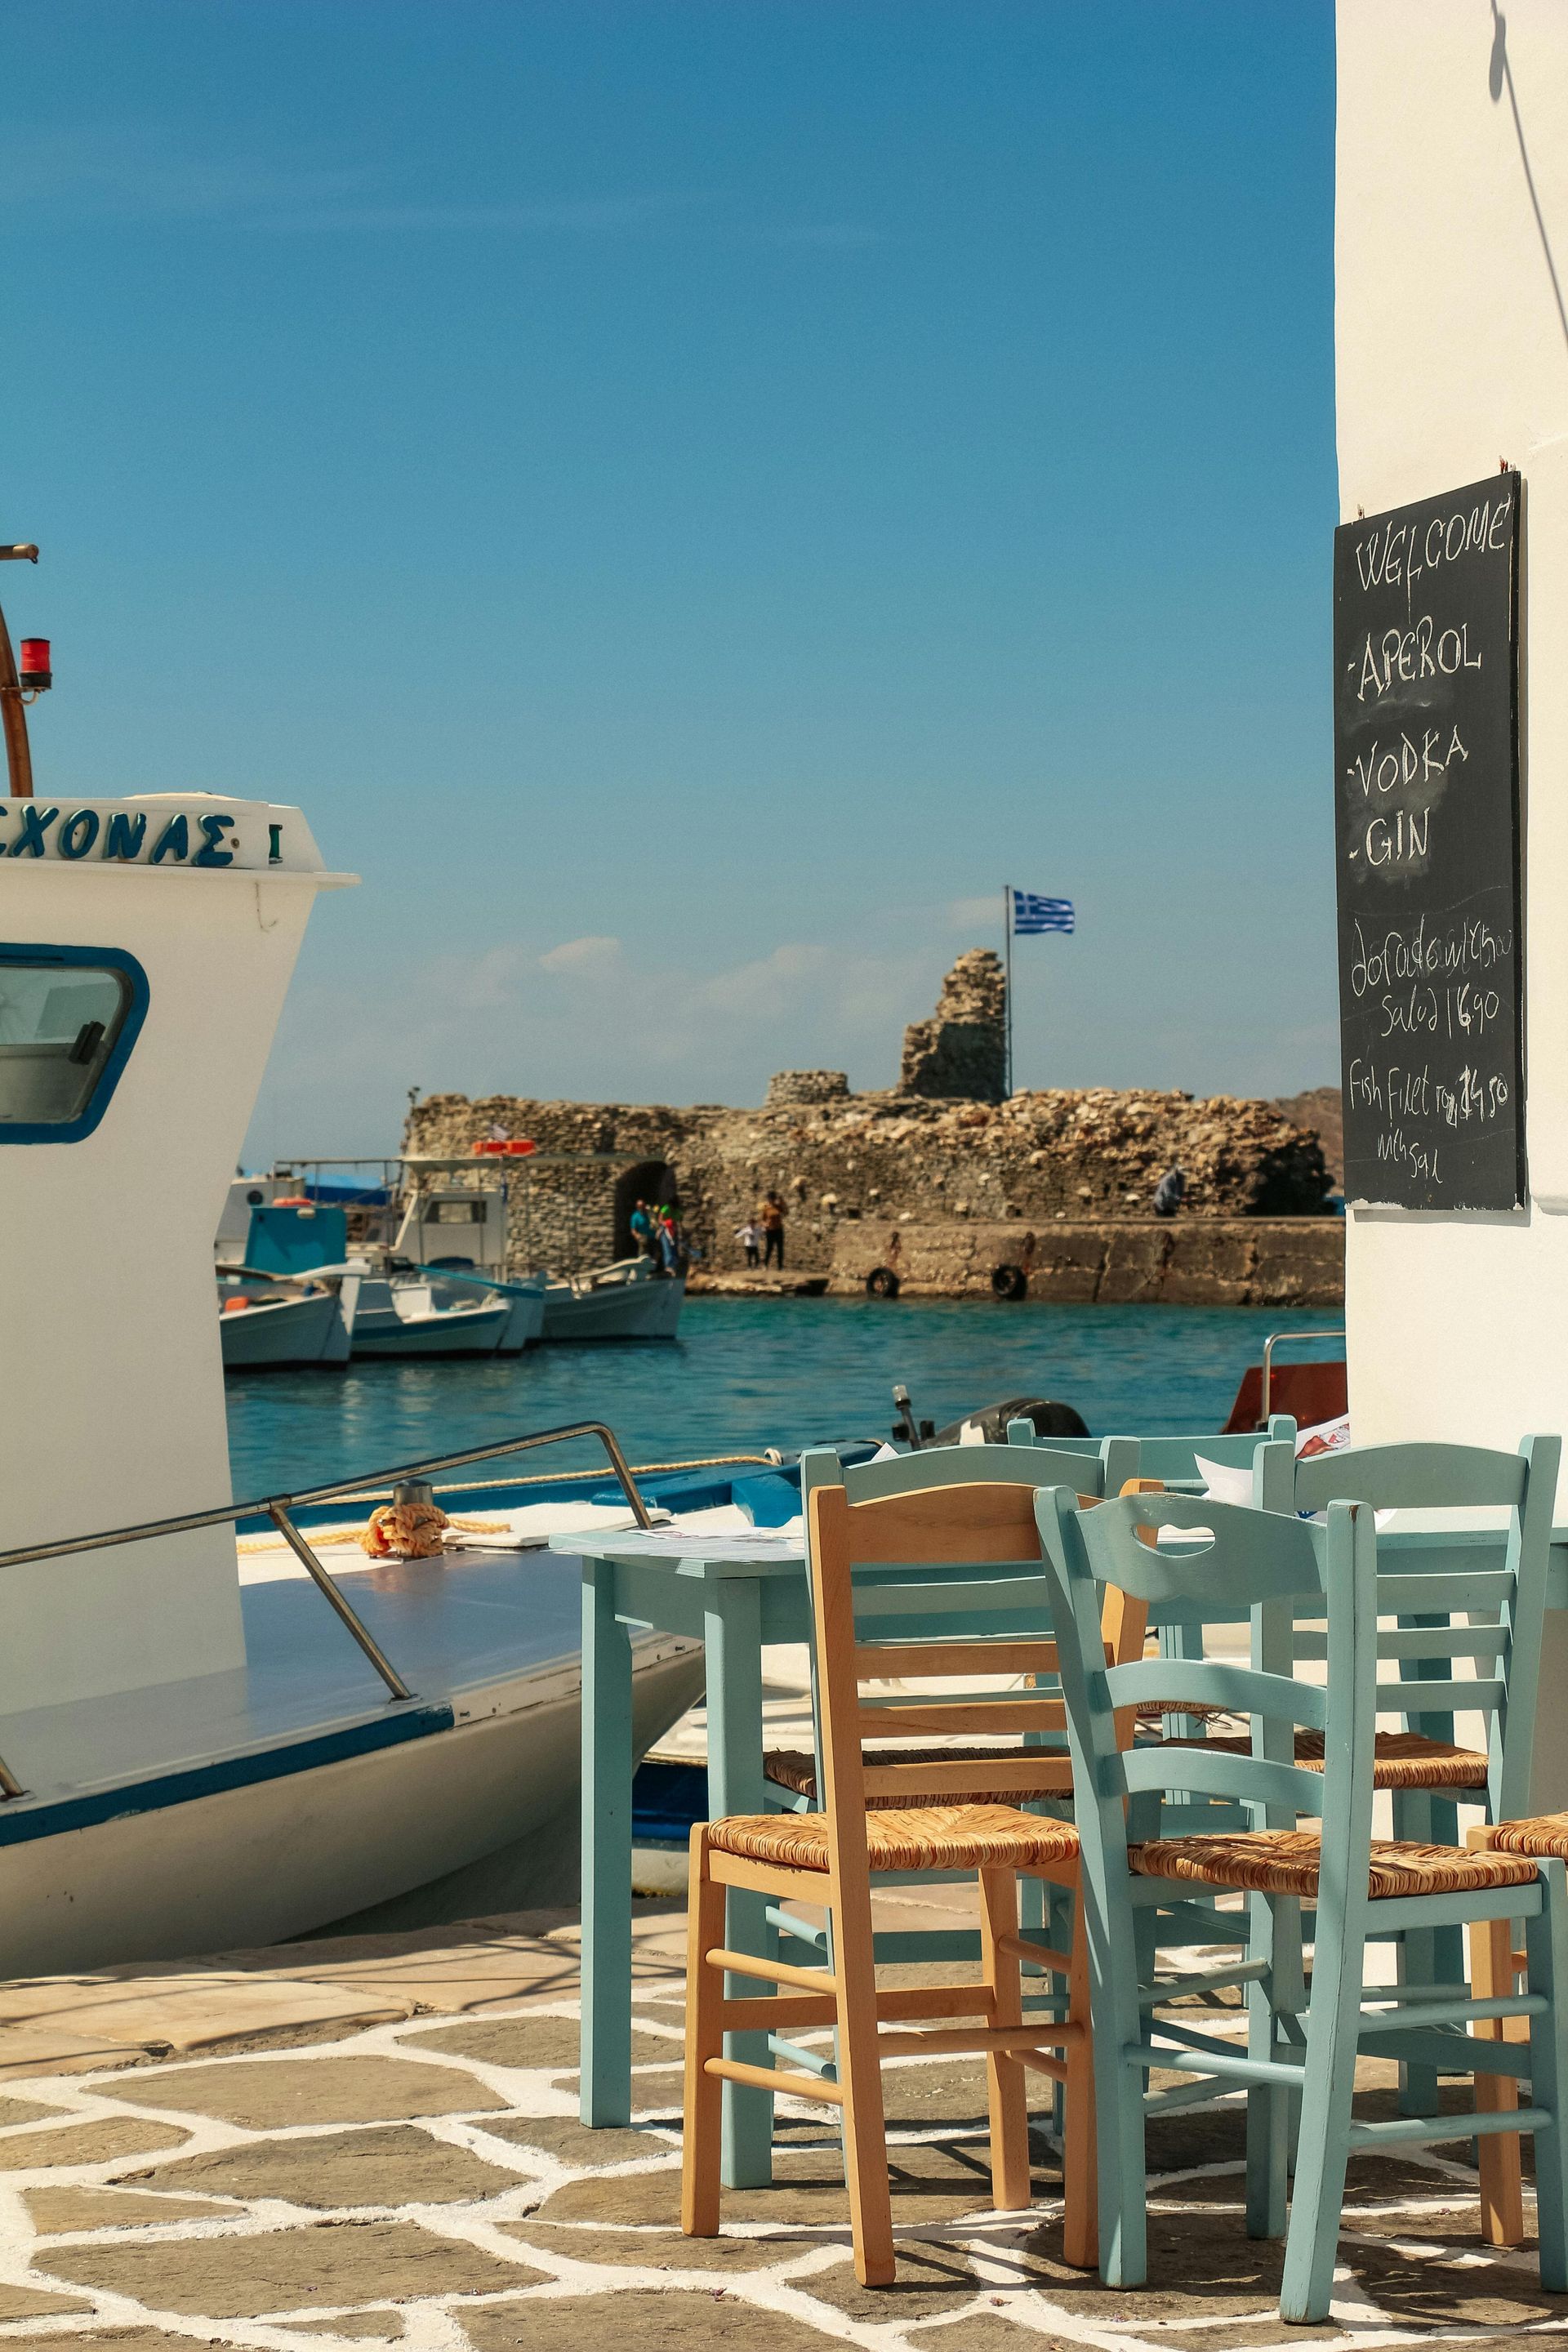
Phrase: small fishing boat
(264,1326)
(628,1301)
(415,1313)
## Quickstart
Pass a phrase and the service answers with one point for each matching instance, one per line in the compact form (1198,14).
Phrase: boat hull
(525,1327)
(465,1331)
(621,1310)
(281,1856)
(278,1332)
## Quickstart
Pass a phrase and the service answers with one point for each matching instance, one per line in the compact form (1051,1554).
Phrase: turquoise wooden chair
(1174,1459)
(1504,1611)
(1362,1889)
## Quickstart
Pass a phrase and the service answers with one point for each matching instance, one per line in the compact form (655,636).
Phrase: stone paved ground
(376,2141)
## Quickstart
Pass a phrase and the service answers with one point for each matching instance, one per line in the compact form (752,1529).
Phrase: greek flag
(1033,913)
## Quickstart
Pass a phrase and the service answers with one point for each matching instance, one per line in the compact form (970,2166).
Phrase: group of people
(657,1235)
(762,1235)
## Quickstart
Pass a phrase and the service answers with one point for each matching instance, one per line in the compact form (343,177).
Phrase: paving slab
(196,2012)
(97,2141)
(263,2094)
(660,2250)
(55,2210)
(534,2042)
(284,2270)
(390,2164)
(37,2049)
(699,2319)
(569,2142)
(36,2303)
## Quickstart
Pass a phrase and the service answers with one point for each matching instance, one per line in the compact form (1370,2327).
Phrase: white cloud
(591,954)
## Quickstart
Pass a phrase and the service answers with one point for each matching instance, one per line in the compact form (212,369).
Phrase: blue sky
(690,497)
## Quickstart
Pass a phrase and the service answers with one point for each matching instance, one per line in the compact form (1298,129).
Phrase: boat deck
(477,1633)
(375,2140)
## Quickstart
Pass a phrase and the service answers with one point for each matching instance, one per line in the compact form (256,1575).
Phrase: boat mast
(13,700)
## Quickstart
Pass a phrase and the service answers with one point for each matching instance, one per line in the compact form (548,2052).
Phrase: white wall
(1452,352)
(112,1402)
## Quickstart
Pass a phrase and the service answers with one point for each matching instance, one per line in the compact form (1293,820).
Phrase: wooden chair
(1364,1889)
(904,1586)
(1024,1463)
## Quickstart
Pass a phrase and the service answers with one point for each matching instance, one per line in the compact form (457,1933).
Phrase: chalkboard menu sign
(1426,844)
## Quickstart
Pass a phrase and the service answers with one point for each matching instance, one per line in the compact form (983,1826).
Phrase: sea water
(747,1373)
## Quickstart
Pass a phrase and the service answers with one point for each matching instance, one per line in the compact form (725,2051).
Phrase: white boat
(415,1314)
(628,1301)
(261,1327)
(195,1753)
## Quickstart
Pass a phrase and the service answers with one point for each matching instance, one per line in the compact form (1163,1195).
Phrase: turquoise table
(736,1594)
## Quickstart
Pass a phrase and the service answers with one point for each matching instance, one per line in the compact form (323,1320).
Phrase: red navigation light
(34,672)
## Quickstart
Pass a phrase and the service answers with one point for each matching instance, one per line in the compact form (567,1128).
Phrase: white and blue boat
(201,1748)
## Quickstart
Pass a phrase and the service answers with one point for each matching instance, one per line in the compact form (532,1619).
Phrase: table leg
(606,2091)
(732,1636)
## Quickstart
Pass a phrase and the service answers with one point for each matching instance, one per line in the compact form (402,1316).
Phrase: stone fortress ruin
(941,1177)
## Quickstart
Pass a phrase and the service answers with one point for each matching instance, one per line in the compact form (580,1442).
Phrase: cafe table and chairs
(1299,2047)
(738,1593)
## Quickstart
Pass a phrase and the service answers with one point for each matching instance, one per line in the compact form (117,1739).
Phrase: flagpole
(1007,969)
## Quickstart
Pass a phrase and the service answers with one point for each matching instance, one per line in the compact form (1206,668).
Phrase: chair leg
(1009,2102)
(1118,2102)
(704,2101)
(1081,2218)
(1501,2174)
(1546,1947)
(1268,2106)
(1311,2241)
(860,2079)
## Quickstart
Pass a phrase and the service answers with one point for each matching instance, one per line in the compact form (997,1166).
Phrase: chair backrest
(938,1585)
(1092,1466)
(1174,1459)
(1439,1608)
(963,1465)
(1244,1558)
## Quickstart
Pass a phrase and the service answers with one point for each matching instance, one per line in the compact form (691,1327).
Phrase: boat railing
(1277,1339)
(278,1508)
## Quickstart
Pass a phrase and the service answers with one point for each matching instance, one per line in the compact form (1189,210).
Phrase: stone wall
(908,1156)
(1180,1262)
(962,1049)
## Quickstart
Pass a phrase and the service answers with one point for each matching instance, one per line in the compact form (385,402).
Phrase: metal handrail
(277,1507)
(1276,1339)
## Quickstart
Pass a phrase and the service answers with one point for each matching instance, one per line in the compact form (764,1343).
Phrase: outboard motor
(989,1427)
(905,1426)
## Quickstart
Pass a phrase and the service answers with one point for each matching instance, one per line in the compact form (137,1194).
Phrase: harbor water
(750,1374)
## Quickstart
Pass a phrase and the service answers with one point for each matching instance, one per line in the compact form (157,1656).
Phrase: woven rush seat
(1401,1759)
(931,1837)
(1285,1861)
(794,1769)
(1544,1834)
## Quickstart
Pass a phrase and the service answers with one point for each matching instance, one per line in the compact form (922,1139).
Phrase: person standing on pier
(1170,1189)
(771,1217)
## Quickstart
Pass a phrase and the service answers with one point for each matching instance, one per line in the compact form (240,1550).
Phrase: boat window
(69,1017)
(457,1212)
